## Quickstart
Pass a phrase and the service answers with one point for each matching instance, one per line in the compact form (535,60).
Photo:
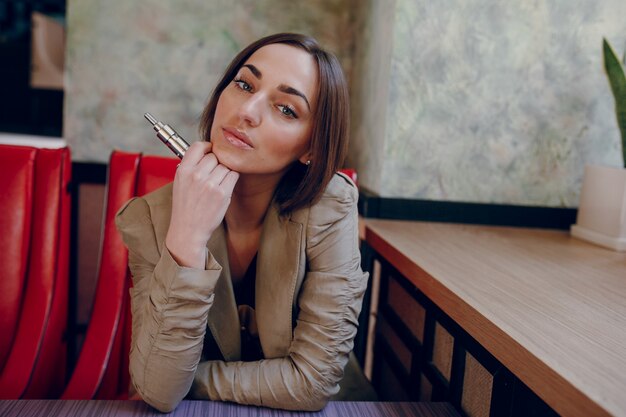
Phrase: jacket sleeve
(169,306)
(329,305)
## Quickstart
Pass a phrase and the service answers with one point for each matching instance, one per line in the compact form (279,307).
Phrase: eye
(243,85)
(287,111)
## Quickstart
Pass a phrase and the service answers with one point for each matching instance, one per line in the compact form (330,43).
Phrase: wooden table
(53,408)
(549,307)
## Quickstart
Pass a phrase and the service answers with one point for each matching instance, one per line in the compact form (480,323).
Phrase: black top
(244,297)
(244,291)
(245,287)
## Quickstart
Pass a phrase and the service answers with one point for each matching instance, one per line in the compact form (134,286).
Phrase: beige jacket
(308,275)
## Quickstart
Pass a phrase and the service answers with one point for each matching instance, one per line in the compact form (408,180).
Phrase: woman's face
(264,117)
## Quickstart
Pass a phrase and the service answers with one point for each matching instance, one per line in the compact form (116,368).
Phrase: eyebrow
(290,90)
(254,70)
(283,88)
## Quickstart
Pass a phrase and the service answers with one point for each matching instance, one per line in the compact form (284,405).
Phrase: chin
(229,160)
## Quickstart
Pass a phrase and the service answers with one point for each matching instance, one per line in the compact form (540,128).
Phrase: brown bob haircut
(302,185)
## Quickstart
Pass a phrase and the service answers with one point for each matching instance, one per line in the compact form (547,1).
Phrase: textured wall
(126,58)
(460,100)
(369,90)
(493,101)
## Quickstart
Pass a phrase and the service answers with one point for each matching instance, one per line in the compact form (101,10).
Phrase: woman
(246,269)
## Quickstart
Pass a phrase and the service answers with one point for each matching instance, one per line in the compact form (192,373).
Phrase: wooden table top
(92,408)
(549,307)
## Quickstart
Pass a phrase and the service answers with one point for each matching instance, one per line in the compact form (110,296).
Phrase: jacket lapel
(223,319)
(280,270)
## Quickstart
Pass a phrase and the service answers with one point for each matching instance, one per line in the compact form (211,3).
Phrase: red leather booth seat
(102,368)
(34,254)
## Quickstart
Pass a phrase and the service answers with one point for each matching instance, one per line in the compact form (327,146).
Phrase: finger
(218,174)
(208,163)
(229,181)
(195,153)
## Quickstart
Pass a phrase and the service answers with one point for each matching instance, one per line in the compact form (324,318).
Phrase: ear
(305,157)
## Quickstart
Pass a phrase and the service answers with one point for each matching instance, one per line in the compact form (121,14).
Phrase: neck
(251,198)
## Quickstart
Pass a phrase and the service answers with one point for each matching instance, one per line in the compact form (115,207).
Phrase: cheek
(291,143)
(222,103)
(220,111)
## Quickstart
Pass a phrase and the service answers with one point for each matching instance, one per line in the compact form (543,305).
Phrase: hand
(201,195)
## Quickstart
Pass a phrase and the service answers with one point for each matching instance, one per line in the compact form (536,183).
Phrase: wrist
(185,253)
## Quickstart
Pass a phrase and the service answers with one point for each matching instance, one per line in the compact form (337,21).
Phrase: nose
(251,110)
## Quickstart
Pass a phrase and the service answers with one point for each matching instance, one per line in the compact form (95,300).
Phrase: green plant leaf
(617,80)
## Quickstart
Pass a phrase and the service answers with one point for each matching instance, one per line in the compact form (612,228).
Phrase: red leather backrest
(16,191)
(48,378)
(351,173)
(95,373)
(115,379)
(36,361)
(121,186)
(102,368)
(155,172)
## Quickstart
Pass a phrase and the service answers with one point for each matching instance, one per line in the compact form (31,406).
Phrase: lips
(237,138)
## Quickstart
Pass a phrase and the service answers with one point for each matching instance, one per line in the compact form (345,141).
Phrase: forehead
(288,65)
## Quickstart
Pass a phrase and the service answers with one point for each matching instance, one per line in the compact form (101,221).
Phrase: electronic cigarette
(168,136)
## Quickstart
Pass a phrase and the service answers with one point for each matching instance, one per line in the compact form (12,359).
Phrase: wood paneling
(400,350)
(548,307)
(407,308)
(426,389)
(390,388)
(477,386)
(442,351)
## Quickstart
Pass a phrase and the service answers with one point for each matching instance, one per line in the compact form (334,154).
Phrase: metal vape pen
(168,136)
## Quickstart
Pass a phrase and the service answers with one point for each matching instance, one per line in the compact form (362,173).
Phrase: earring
(308,162)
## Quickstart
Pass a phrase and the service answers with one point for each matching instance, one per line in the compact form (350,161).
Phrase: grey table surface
(102,408)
